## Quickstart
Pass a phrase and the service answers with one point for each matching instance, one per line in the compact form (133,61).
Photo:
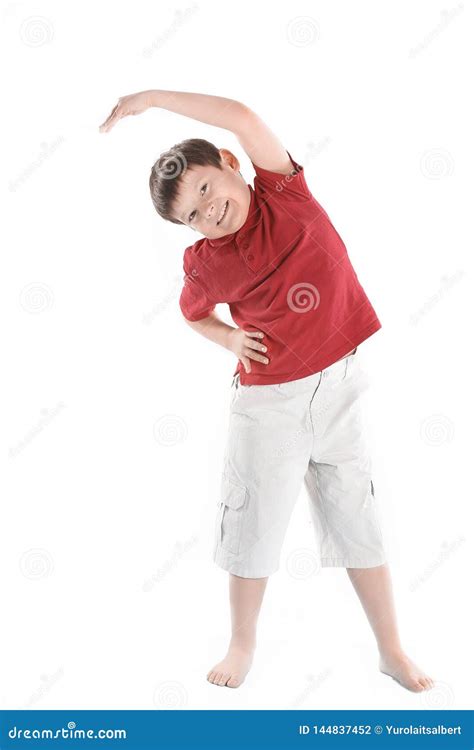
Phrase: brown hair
(171,165)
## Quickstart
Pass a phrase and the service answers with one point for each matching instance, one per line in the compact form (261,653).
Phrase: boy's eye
(193,213)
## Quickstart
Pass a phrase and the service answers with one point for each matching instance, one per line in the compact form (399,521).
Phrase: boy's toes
(412,683)
(232,670)
(233,682)
(427,682)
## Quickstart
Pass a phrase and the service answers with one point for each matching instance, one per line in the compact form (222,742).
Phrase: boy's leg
(246,596)
(344,511)
(374,589)
(266,458)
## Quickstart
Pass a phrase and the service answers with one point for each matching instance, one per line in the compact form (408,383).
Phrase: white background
(114,412)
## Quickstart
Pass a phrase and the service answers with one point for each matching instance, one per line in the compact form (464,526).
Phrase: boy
(272,253)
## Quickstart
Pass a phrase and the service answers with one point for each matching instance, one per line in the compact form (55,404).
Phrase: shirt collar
(251,221)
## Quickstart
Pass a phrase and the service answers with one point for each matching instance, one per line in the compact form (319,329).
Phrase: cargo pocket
(232,500)
(370,496)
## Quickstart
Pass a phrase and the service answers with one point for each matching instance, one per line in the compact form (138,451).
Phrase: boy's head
(197,184)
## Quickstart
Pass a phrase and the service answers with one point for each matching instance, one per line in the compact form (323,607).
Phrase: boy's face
(213,201)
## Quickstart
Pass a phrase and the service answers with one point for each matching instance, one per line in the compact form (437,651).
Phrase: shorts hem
(243,572)
(344,562)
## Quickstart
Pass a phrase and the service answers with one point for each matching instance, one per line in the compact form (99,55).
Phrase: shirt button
(245,244)
(250,256)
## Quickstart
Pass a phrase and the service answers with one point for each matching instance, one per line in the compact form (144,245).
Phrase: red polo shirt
(285,272)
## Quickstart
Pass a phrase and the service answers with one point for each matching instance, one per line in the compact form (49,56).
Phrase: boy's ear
(230,159)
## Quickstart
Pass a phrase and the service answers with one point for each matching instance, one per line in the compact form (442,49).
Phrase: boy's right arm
(244,344)
(258,141)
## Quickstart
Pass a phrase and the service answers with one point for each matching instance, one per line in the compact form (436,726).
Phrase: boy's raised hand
(133,104)
(245,347)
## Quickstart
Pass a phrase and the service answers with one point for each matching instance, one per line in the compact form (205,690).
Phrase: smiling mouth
(222,215)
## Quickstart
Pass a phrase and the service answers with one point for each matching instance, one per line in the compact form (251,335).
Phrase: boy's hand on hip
(133,104)
(246,345)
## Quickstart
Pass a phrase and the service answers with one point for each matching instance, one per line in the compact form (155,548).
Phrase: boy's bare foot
(401,668)
(232,670)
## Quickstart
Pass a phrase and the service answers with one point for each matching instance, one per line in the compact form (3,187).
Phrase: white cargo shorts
(307,431)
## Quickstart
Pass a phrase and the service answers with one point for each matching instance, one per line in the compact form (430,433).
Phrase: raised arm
(258,141)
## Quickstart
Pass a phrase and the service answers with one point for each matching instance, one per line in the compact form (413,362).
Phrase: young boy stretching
(272,253)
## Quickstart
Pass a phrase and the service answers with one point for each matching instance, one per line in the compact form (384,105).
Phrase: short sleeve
(196,301)
(290,187)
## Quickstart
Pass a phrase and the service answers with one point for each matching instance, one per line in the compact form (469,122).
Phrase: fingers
(246,363)
(259,334)
(111,119)
(109,123)
(252,344)
(253,355)
(107,120)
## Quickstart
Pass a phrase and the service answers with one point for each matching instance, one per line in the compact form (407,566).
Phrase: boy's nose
(210,210)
